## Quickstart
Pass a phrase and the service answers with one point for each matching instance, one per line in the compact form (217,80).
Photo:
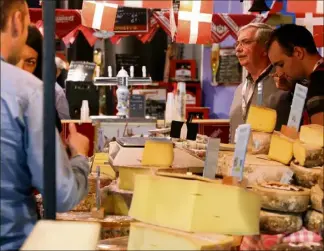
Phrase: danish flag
(195,22)
(99,15)
(315,24)
(305,6)
(149,4)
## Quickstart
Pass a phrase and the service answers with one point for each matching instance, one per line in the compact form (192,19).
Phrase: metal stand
(49,169)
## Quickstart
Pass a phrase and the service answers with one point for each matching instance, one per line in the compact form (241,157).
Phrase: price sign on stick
(243,136)
(297,106)
(210,168)
(260,94)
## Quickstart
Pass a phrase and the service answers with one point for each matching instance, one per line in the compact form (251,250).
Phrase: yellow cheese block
(281,148)
(101,159)
(195,206)
(262,119)
(308,155)
(158,153)
(312,134)
(149,237)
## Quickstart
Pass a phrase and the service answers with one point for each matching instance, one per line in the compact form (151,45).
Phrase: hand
(78,143)
(281,81)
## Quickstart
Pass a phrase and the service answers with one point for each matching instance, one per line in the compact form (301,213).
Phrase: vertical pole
(49,196)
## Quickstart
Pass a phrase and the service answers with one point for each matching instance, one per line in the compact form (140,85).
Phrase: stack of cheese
(187,212)
(282,206)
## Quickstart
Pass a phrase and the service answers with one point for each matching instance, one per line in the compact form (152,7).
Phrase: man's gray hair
(263,31)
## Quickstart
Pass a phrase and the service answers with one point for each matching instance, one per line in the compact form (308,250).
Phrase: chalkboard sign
(131,20)
(229,69)
(81,71)
(128,60)
(137,106)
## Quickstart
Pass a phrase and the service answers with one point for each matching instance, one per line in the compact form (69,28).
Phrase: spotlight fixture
(259,6)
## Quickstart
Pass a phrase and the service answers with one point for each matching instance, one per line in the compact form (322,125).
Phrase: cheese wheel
(260,142)
(281,148)
(305,177)
(312,134)
(308,155)
(314,221)
(305,246)
(317,196)
(279,223)
(321,179)
(283,198)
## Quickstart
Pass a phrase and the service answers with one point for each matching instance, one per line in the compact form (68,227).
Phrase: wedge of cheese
(262,119)
(63,235)
(195,206)
(149,237)
(312,134)
(158,153)
(308,155)
(281,148)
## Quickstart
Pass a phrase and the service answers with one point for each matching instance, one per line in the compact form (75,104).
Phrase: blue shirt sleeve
(62,105)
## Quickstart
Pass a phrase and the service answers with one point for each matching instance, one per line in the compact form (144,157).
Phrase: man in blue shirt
(22,164)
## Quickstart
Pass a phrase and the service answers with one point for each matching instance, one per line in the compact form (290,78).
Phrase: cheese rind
(158,153)
(195,206)
(279,223)
(281,148)
(260,142)
(262,119)
(275,197)
(303,246)
(314,221)
(321,179)
(317,196)
(305,177)
(308,155)
(312,134)
(148,237)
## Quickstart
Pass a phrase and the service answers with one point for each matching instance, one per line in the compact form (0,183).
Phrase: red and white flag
(315,24)
(194,22)
(305,6)
(99,15)
(149,4)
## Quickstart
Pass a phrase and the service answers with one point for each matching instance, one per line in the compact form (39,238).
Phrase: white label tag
(243,136)
(286,177)
(297,106)
(211,161)
(260,94)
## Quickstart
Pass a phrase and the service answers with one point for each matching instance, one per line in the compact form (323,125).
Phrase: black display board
(128,60)
(229,69)
(131,20)
(137,106)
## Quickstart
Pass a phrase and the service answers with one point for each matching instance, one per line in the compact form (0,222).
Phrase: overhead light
(259,6)
(103,34)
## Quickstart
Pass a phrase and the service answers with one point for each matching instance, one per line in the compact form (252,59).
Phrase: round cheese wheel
(279,223)
(321,180)
(283,197)
(314,221)
(305,246)
(305,177)
(317,196)
(260,142)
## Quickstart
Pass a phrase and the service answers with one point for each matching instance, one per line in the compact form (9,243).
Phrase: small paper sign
(243,136)
(211,161)
(297,106)
(286,177)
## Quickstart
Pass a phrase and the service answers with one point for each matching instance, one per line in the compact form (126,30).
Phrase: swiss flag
(195,22)
(305,6)
(315,24)
(99,15)
(149,4)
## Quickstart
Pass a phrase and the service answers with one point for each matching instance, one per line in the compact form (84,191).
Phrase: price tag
(243,136)
(211,161)
(260,94)
(286,177)
(297,106)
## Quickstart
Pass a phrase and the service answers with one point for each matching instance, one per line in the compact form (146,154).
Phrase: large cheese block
(314,221)
(260,142)
(127,174)
(195,206)
(279,223)
(257,168)
(312,134)
(149,237)
(302,246)
(283,198)
(158,153)
(58,235)
(321,179)
(305,177)
(308,155)
(116,201)
(317,196)
(262,119)
(281,148)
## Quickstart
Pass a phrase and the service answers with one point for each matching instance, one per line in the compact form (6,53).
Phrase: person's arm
(62,105)
(71,176)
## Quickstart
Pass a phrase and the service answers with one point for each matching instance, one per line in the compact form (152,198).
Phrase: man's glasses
(244,43)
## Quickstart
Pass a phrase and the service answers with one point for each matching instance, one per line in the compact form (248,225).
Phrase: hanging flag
(149,4)
(99,15)
(315,24)
(305,6)
(194,22)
